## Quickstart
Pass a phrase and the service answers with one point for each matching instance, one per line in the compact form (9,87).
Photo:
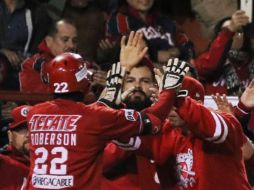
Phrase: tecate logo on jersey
(56,123)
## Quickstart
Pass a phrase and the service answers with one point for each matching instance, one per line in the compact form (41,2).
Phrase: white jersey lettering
(54,139)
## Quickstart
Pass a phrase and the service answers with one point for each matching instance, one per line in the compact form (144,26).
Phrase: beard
(137,103)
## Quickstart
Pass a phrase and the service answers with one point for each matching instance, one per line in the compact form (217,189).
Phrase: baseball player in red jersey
(18,148)
(202,145)
(14,166)
(121,168)
(68,138)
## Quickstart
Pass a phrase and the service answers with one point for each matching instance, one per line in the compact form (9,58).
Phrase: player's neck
(75,96)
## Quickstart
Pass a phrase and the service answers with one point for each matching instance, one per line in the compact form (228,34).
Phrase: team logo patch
(24,111)
(129,115)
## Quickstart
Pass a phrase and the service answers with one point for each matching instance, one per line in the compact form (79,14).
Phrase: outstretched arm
(169,85)
(210,61)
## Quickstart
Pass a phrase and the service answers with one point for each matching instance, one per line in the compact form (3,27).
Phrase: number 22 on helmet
(66,73)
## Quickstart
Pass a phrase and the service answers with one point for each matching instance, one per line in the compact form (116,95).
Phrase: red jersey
(125,169)
(210,158)
(67,140)
(13,174)
(119,169)
(29,77)
(18,156)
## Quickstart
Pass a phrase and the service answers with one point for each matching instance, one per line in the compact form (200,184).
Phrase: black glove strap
(147,124)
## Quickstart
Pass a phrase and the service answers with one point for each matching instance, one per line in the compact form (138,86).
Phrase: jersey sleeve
(124,123)
(29,77)
(163,106)
(241,111)
(158,147)
(208,62)
(209,125)
(25,74)
(126,118)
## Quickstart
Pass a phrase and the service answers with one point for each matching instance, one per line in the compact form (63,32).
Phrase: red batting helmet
(66,73)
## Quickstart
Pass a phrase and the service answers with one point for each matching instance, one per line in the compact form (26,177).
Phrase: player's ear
(48,40)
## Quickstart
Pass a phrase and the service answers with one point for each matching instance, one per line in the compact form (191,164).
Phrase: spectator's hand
(247,97)
(174,73)
(14,58)
(165,55)
(155,94)
(108,51)
(238,19)
(106,44)
(222,103)
(125,94)
(248,149)
(132,52)
(99,77)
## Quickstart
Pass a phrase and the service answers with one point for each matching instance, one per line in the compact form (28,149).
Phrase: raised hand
(133,51)
(222,103)
(247,97)
(99,77)
(174,73)
(106,44)
(238,20)
(112,93)
(13,57)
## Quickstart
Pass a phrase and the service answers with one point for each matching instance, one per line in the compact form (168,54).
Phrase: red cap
(19,115)
(194,87)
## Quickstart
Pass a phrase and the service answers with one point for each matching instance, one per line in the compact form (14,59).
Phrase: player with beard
(18,148)
(121,168)
(14,166)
